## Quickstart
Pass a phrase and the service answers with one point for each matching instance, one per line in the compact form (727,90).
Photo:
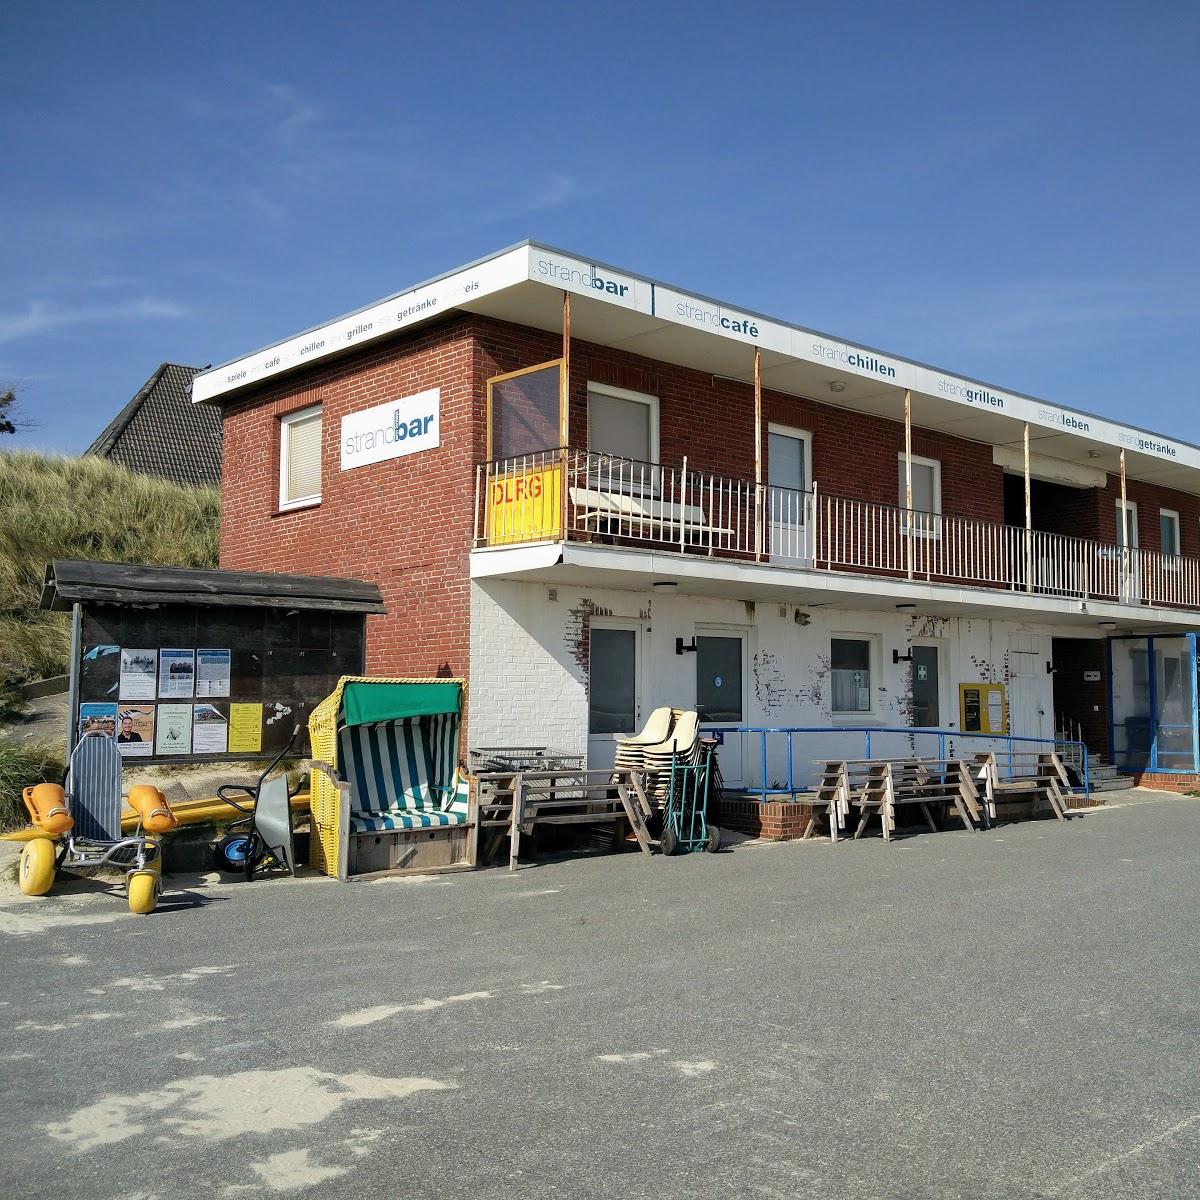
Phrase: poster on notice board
(212,672)
(210,729)
(135,730)
(176,674)
(174,733)
(139,671)
(98,718)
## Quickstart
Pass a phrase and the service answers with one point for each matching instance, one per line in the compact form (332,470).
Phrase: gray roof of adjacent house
(161,432)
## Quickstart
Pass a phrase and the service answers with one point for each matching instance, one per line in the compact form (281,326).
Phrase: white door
(614,687)
(789,470)
(1029,686)
(721,694)
(1127,543)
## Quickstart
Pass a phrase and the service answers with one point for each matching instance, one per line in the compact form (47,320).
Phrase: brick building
(593,494)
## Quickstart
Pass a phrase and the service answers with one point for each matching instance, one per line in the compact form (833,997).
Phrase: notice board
(983,708)
(200,683)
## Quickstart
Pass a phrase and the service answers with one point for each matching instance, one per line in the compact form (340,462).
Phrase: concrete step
(1118,783)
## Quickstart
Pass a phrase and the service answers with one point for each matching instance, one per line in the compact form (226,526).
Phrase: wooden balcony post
(1028,518)
(909,545)
(758,492)
(1123,536)
(564,415)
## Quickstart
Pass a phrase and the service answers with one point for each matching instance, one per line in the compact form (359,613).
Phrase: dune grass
(22,764)
(57,507)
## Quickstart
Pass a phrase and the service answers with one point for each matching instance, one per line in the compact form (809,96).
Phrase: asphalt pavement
(1010,1014)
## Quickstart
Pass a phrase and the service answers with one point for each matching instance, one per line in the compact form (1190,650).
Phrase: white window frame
(934,528)
(651,402)
(1171,561)
(801,435)
(286,504)
(874,660)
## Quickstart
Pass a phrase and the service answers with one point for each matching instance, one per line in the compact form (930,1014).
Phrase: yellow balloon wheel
(36,870)
(143,889)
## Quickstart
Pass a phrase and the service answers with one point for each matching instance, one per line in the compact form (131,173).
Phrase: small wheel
(143,889)
(36,871)
(668,843)
(229,854)
(714,839)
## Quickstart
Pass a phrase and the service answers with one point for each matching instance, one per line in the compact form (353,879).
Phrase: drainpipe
(1028,518)
(908,509)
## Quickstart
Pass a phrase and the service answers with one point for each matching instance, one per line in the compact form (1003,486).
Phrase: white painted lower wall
(530,655)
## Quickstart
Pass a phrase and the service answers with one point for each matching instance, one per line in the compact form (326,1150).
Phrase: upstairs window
(926,494)
(1168,533)
(300,458)
(523,412)
(622,423)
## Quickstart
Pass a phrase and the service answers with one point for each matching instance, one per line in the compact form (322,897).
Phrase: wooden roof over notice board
(69,581)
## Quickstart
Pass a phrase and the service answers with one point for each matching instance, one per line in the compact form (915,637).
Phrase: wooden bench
(1036,776)
(639,514)
(878,787)
(514,804)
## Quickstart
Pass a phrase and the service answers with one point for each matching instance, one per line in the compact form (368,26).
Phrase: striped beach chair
(387,789)
(93,787)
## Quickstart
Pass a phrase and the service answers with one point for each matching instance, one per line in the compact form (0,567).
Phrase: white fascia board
(397,312)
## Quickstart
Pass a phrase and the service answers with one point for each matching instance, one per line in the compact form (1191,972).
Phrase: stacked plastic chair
(682,746)
(631,751)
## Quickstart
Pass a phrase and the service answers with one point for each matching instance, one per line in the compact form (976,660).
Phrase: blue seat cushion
(381,822)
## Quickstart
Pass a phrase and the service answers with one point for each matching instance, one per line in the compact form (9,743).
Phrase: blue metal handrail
(789,732)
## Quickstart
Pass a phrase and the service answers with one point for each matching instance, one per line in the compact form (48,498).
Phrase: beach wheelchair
(79,826)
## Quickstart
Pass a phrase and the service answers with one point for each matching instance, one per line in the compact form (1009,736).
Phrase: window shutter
(302,472)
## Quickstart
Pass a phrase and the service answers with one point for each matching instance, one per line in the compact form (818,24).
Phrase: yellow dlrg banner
(525,507)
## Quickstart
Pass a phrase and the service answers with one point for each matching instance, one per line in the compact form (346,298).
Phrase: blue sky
(1010,192)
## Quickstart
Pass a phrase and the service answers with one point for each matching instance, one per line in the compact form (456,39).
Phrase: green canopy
(367,703)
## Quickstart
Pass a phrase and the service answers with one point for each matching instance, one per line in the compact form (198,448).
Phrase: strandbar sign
(392,430)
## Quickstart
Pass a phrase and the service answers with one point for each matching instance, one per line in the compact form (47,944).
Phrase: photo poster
(135,730)
(176,674)
(97,718)
(245,728)
(174,733)
(210,729)
(139,674)
(212,672)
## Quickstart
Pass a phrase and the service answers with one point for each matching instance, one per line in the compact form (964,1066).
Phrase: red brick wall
(404,523)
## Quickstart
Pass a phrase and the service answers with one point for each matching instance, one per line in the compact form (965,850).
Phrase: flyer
(212,672)
(174,733)
(139,670)
(177,674)
(210,730)
(135,730)
(97,718)
(245,728)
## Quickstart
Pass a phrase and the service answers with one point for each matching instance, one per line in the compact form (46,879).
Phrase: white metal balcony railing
(579,495)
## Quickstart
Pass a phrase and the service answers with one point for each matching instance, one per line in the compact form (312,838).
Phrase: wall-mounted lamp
(1108,626)
(897,657)
(836,386)
(905,607)
(802,618)
(682,648)
(665,585)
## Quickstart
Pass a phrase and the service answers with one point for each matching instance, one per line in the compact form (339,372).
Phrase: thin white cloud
(555,191)
(44,317)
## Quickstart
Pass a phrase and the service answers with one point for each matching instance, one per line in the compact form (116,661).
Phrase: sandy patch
(381,1012)
(213,1108)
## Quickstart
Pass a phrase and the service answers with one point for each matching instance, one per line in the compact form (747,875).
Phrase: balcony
(581,496)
